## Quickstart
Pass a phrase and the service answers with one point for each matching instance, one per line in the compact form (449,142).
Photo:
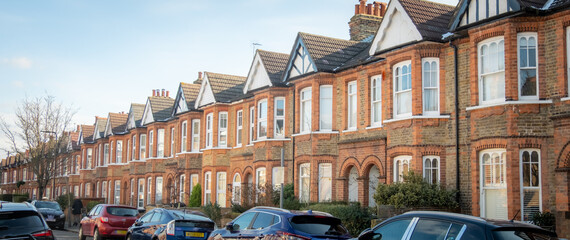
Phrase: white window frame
(428,169)
(172,143)
(239,127)
(324,110)
(150,144)
(262,119)
(119,152)
(236,189)
(209,130)
(325,179)
(140,193)
(493,185)
(128,149)
(193,181)
(182,185)
(184,136)
(351,105)
(568,60)
(89,158)
(117,194)
(522,187)
(221,181)
(104,191)
(207,187)
(142,143)
(397,75)
(195,135)
(260,182)
(499,72)
(134,148)
(251,124)
(376,100)
(106,153)
(399,163)
(527,35)
(148,190)
(305,97)
(158,193)
(278,118)
(426,88)
(304,173)
(222,129)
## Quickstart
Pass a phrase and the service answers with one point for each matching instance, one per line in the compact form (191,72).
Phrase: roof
(161,107)
(74,138)
(87,133)
(226,87)
(431,18)
(533,3)
(137,110)
(558,3)
(190,91)
(275,64)
(329,53)
(101,123)
(118,122)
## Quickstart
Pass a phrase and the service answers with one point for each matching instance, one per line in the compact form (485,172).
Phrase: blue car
(167,224)
(277,223)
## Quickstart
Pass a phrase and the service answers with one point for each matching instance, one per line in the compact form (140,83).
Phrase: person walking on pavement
(76,211)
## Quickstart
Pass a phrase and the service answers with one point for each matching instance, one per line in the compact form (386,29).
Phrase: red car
(107,221)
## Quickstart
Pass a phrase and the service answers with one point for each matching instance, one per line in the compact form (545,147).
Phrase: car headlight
(62,216)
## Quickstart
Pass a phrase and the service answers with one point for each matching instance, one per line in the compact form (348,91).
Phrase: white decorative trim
(315,132)
(215,148)
(510,103)
(182,153)
(565,99)
(374,127)
(416,117)
(270,139)
(350,130)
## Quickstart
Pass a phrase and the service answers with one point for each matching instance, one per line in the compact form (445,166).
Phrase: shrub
(6,197)
(214,212)
(354,217)
(196,196)
(20,197)
(65,200)
(289,200)
(415,192)
(237,208)
(543,219)
(91,204)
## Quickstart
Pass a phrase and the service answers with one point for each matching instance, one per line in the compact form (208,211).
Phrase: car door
(239,226)
(394,230)
(438,229)
(260,226)
(153,225)
(88,222)
(137,230)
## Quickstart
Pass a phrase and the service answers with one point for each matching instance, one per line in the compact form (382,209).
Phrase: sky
(100,56)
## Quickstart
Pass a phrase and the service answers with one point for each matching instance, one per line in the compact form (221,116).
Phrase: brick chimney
(366,19)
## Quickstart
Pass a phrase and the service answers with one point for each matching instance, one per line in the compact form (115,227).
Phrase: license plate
(50,218)
(195,234)
(122,232)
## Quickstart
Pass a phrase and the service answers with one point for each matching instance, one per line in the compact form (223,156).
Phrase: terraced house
(474,97)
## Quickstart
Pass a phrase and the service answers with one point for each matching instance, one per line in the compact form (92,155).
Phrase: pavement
(71,228)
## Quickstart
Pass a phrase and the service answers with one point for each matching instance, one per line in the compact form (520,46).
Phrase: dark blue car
(277,223)
(167,224)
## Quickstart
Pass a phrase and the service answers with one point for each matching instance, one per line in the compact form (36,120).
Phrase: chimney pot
(199,75)
(153,92)
(163,93)
(167,93)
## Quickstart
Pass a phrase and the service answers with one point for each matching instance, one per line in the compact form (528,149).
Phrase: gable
(257,77)
(96,132)
(181,105)
(206,95)
(108,127)
(147,115)
(396,29)
(131,121)
(301,62)
(473,11)
(80,140)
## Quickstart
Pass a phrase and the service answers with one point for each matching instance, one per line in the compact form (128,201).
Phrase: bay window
(403,89)
(183,136)
(401,167)
(430,80)
(134,148)
(351,105)
(172,132)
(376,101)
(262,119)
(431,169)
(207,187)
(119,152)
(491,55)
(151,144)
(195,135)
(209,130)
(251,124)
(222,129)
(306,110)
(304,182)
(105,154)
(528,63)
(325,108)
(142,154)
(531,199)
(160,142)
(221,189)
(239,127)
(279,118)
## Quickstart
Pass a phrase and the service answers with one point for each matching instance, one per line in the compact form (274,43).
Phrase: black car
(170,224)
(52,213)
(22,221)
(447,226)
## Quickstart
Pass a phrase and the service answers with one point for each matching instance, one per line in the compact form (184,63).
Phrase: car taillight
(47,233)
(170,228)
(290,236)
(104,219)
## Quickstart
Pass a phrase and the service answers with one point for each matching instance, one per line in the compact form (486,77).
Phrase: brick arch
(563,160)
(373,160)
(347,164)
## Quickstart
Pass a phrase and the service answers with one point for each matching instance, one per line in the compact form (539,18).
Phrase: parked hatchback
(452,226)
(22,221)
(270,222)
(52,213)
(171,224)
(107,221)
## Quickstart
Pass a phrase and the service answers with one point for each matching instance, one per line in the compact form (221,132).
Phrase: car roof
(10,206)
(281,211)
(116,205)
(188,215)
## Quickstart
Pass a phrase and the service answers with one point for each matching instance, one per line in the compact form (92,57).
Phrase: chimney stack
(366,19)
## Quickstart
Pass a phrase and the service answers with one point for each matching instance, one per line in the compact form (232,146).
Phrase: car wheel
(81,236)
(129,237)
(96,235)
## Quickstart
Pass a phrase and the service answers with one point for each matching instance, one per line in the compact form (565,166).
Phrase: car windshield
(19,223)
(52,205)
(123,212)
(318,225)
(521,234)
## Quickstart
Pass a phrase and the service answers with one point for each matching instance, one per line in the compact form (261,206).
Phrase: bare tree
(39,134)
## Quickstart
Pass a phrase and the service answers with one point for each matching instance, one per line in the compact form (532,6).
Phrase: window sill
(349,130)
(374,127)
(416,117)
(315,132)
(270,139)
(565,99)
(510,103)
(215,148)
(181,153)
(116,164)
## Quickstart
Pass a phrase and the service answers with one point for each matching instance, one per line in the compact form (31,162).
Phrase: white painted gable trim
(80,140)
(96,132)
(181,105)
(252,82)
(381,35)
(147,114)
(205,93)
(131,121)
(108,127)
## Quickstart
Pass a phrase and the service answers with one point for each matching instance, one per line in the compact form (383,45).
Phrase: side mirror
(368,234)
(138,223)
(230,226)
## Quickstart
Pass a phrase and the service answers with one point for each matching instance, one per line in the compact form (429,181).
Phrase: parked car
(171,224)
(446,226)
(269,222)
(107,221)
(20,220)
(52,213)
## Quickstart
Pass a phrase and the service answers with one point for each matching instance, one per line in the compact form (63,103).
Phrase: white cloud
(18,84)
(19,62)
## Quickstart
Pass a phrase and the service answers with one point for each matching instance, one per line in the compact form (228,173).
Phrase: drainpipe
(456,75)
(293,143)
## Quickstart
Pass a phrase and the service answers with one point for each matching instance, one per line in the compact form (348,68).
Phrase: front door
(493,184)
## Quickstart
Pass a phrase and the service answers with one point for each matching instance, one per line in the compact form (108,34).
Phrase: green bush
(415,192)
(289,200)
(6,197)
(543,219)
(354,217)
(237,208)
(65,200)
(214,212)
(195,196)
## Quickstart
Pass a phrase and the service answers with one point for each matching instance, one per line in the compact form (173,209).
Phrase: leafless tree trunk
(39,134)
